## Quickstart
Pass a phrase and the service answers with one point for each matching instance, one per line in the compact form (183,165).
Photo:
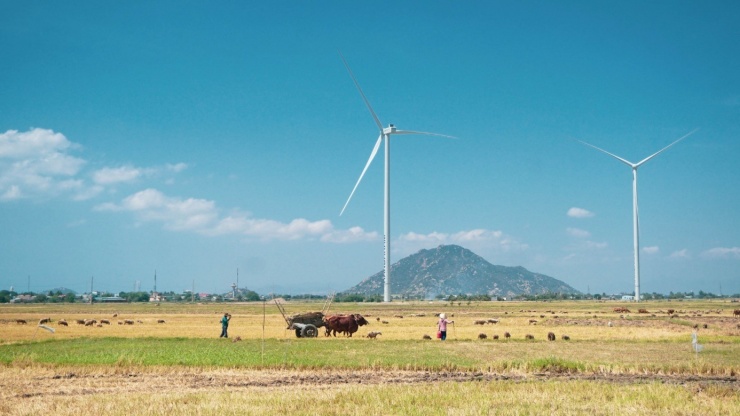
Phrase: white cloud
(107,176)
(202,216)
(577,232)
(39,164)
(36,163)
(576,212)
(722,253)
(651,250)
(480,239)
(680,254)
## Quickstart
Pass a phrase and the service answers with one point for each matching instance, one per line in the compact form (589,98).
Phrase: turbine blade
(367,165)
(661,150)
(367,103)
(625,161)
(423,132)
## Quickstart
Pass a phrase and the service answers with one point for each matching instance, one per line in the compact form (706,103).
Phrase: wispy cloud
(577,232)
(680,254)
(722,253)
(651,250)
(108,176)
(477,238)
(576,212)
(203,217)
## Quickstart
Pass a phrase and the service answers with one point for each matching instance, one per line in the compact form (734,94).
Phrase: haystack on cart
(306,325)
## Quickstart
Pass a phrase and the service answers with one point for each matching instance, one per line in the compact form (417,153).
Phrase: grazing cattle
(643,311)
(482,336)
(115,315)
(565,338)
(160,321)
(44,321)
(377,319)
(347,324)
(90,322)
(736,312)
(705,326)
(21,321)
(120,322)
(128,322)
(529,336)
(373,334)
(551,336)
(139,321)
(426,337)
(507,335)
(105,321)
(492,321)
(384,322)
(495,337)
(479,322)
(621,310)
(62,322)
(80,322)
(533,322)
(398,316)
(671,311)
(237,339)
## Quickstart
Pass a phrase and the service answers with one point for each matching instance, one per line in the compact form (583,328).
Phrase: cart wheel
(309,331)
(298,332)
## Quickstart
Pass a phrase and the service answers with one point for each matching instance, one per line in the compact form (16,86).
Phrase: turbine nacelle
(390,129)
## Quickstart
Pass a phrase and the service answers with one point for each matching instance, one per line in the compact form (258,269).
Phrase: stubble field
(613,363)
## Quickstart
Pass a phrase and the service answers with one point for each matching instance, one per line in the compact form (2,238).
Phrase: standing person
(442,325)
(225,325)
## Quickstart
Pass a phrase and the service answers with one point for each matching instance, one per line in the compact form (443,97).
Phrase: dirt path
(17,384)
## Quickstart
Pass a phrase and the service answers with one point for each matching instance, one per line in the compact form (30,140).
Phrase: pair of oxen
(344,324)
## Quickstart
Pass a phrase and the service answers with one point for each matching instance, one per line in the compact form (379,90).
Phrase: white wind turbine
(385,134)
(635,220)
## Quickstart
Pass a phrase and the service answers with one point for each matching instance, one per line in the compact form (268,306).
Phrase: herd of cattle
(87,322)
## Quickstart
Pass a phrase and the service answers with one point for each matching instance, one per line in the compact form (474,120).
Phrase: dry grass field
(613,362)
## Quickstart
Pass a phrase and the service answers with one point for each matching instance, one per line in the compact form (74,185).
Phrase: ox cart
(306,325)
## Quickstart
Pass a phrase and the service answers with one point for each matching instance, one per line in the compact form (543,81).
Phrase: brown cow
(551,336)
(80,321)
(21,321)
(529,336)
(643,311)
(479,322)
(44,321)
(105,321)
(565,338)
(62,322)
(128,322)
(160,321)
(426,337)
(482,336)
(507,335)
(347,324)
(373,334)
(736,312)
(495,337)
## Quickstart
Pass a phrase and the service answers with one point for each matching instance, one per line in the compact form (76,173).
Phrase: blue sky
(195,138)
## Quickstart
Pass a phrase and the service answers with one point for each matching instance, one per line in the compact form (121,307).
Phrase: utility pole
(192,293)
(92,279)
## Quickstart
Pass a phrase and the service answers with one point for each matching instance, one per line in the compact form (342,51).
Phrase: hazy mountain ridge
(454,270)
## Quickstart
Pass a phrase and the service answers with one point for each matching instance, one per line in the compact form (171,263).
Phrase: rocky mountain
(454,270)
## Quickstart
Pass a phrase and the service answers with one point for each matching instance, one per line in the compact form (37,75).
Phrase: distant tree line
(244,295)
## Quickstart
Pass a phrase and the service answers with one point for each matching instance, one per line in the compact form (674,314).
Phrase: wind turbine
(635,220)
(385,135)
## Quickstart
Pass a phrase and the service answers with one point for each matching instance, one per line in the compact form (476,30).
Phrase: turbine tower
(385,135)
(635,217)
